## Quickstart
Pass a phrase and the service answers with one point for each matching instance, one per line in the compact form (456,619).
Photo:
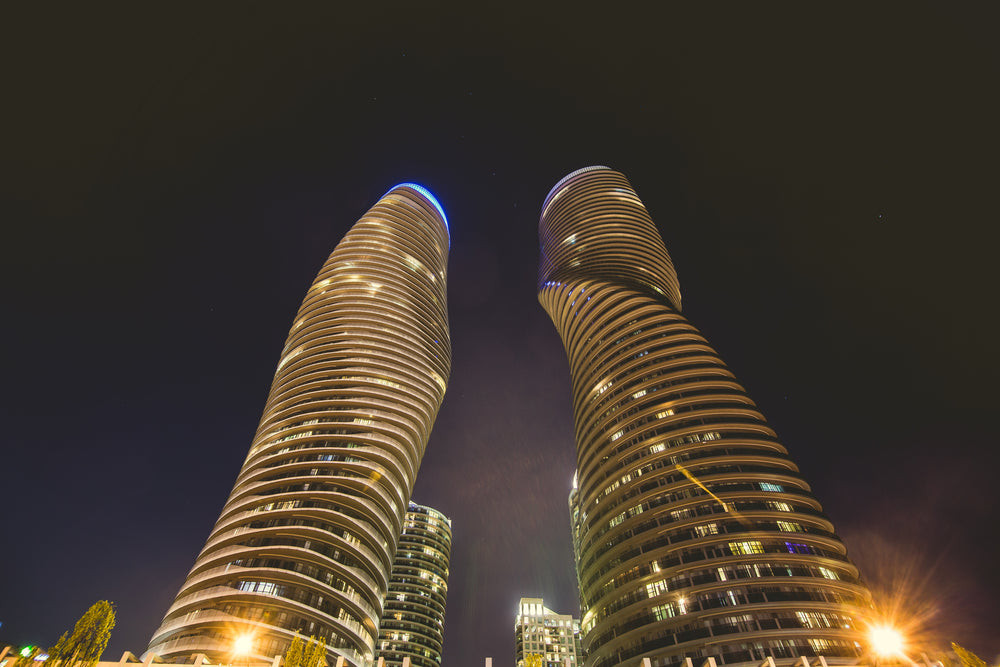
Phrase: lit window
(815,620)
(790,527)
(664,611)
(656,588)
(821,645)
(795,548)
(767,486)
(707,529)
(746,548)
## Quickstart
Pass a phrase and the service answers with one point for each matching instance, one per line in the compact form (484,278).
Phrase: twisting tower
(695,534)
(306,541)
(413,624)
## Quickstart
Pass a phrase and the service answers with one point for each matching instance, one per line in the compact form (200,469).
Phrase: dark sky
(173,176)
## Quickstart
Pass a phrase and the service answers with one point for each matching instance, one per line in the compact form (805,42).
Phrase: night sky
(174,175)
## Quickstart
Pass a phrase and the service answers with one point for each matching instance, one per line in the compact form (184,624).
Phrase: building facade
(694,532)
(305,543)
(540,631)
(413,622)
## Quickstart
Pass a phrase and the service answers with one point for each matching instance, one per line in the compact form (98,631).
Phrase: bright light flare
(886,641)
(243,645)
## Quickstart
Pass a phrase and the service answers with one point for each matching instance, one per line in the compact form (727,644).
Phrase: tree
(315,654)
(302,654)
(89,639)
(968,658)
(26,657)
(293,656)
(534,660)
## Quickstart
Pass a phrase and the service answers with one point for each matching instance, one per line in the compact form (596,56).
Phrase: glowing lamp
(243,644)
(886,641)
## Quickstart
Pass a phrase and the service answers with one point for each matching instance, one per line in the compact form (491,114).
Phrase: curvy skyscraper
(306,541)
(695,534)
(413,624)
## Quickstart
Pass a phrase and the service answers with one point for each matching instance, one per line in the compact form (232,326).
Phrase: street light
(886,641)
(243,646)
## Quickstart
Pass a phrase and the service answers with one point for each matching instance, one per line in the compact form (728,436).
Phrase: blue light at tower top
(429,197)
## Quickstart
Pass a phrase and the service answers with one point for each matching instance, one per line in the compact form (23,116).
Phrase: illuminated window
(790,527)
(810,619)
(821,645)
(795,548)
(707,529)
(664,611)
(768,486)
(746,548)
(656,588)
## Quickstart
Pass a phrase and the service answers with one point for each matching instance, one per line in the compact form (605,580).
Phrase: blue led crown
(426,194)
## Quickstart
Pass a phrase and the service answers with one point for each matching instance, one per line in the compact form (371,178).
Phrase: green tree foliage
(89,638)
(968,658)
(315,654)
(306,654)
(26,657)
(293,656)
